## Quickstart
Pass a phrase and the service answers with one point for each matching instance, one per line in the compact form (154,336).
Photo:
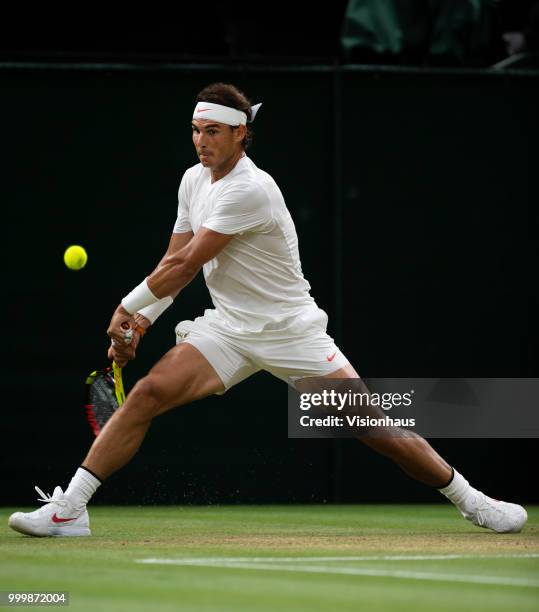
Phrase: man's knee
(145,400)
(395,445)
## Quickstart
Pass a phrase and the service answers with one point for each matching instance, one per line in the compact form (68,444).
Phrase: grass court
(279,558)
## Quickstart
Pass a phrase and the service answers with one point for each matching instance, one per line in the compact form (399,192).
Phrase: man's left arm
(174,272)
(178,269)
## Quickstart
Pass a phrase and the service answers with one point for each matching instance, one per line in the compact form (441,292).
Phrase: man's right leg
(183,375)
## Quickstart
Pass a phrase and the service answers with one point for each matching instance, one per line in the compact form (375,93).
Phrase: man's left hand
(121,326)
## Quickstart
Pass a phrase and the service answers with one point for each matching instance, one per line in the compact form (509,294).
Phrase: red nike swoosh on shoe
(202,110)
(332,357)
(56,519)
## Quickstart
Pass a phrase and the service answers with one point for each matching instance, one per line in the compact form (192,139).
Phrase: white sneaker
(58,517)
(499,516)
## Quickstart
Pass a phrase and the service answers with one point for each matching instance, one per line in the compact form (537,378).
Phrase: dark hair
(229,95)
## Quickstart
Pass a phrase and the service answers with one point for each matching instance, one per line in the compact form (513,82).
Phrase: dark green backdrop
(415,200)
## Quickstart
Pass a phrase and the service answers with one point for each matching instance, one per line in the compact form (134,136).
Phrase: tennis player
(233,223)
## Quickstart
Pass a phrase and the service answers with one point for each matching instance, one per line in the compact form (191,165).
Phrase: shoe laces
(55,498)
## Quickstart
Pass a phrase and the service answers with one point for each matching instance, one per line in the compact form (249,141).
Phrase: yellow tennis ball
(75,257)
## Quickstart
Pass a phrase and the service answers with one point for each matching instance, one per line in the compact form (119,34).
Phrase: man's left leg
(419,460)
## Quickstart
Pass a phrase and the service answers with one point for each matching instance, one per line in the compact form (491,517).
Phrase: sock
(82,486)
(459,492)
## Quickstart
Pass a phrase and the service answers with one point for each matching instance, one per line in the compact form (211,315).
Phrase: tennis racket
(104,395)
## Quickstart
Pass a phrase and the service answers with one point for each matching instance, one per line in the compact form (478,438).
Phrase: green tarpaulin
(429,27)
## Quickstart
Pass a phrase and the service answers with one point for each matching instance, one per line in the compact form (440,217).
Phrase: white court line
(202,560)
(262,564)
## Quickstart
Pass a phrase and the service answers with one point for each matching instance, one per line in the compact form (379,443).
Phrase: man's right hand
(120,355)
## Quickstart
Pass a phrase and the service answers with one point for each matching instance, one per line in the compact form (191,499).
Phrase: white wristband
(153,311)
(140,297)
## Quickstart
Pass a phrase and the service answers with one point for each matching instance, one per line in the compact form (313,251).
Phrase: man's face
(215,142)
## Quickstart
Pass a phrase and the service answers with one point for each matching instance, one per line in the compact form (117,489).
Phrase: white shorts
(301,350)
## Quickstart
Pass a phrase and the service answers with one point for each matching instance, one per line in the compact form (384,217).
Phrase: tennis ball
(75,257)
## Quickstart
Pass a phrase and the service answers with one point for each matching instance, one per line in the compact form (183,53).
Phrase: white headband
(223,114)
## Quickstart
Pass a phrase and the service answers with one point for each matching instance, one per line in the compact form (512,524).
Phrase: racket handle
(118,383)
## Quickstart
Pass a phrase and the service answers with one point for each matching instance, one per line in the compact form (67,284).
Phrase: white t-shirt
(255,282)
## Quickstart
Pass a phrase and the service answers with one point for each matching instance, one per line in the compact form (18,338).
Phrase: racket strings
(101,401)
(91,419)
